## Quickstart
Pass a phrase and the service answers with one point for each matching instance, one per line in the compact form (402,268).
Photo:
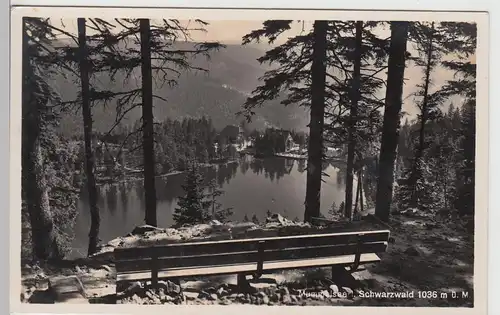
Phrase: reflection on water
(252,186)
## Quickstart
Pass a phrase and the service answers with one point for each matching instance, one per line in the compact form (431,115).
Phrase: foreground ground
(431,257)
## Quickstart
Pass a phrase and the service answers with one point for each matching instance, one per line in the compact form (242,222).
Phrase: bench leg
(154,272)
(242,281)
(121,286)
(343,278)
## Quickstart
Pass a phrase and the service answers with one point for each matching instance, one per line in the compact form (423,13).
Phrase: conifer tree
(392,110)
(36,115)
(339,90)
(461,40)
(49,188)
(159,59)
(89,48)
(192,207)
(301,74)
(84,66)
(427,37)
(255,220)
(356,58)
(217,211)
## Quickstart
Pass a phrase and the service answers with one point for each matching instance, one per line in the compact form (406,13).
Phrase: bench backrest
(231,252)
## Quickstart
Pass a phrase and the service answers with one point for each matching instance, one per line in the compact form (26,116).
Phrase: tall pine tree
(461,41)
(301,72)
(158,58)
(416,188)
(390,130)
(87,129)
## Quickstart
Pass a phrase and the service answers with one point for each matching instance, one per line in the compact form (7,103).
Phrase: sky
(232,31)
(227,31)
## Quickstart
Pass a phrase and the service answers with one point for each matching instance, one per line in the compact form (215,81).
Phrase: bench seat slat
(246,257)
(249,267)
(227,246)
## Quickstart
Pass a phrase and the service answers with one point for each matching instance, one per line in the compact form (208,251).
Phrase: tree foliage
(441,175)
(199,204)
(49,186)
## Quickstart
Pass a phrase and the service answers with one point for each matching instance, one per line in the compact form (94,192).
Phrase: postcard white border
(480,267)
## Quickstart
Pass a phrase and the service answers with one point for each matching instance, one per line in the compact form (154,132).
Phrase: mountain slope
(218,94)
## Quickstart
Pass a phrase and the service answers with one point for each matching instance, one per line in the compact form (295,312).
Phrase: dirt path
(426,256)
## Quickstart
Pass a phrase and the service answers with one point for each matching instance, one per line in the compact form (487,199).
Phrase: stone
(222,291)
(233,296)
(263,297)
(213,297)
(161,294)
(190,296)
(348,291)
(275,297)
(67,289)
(150,294)
(203,295)
(334,288)
(168,299)
(210,290)
(134,287)
(284,291)
(140,230)
(178,299)
(265,300)
(244,298)
(215,223)
(412,251)
(136,299)
(275,218)
(287,299)
(225,301)
(153,296)
(262,285)
(170,287)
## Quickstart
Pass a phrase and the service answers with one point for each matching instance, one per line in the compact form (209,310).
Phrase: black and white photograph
(266,162)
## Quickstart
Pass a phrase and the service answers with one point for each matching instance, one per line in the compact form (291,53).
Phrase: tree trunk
(415,174)
(147,123)
(35,187)
(351,144)
(315,146)
(361,201)
(357,198)
(390,129)
(445,188)
(87,132)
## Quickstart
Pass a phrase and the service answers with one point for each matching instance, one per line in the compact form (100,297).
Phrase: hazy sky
(232,31)
(228,31)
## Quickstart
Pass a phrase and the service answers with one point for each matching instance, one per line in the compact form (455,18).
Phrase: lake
(251,186)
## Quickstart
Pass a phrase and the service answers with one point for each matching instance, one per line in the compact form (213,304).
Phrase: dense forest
(346,77)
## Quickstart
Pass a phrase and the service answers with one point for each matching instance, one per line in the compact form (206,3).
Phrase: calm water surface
(252,186)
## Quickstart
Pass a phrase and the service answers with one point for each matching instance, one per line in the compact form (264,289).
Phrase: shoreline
(128,178)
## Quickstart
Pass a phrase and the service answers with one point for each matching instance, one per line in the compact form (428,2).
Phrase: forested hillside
(233,73)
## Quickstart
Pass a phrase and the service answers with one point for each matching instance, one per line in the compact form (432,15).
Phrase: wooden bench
(248,256)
